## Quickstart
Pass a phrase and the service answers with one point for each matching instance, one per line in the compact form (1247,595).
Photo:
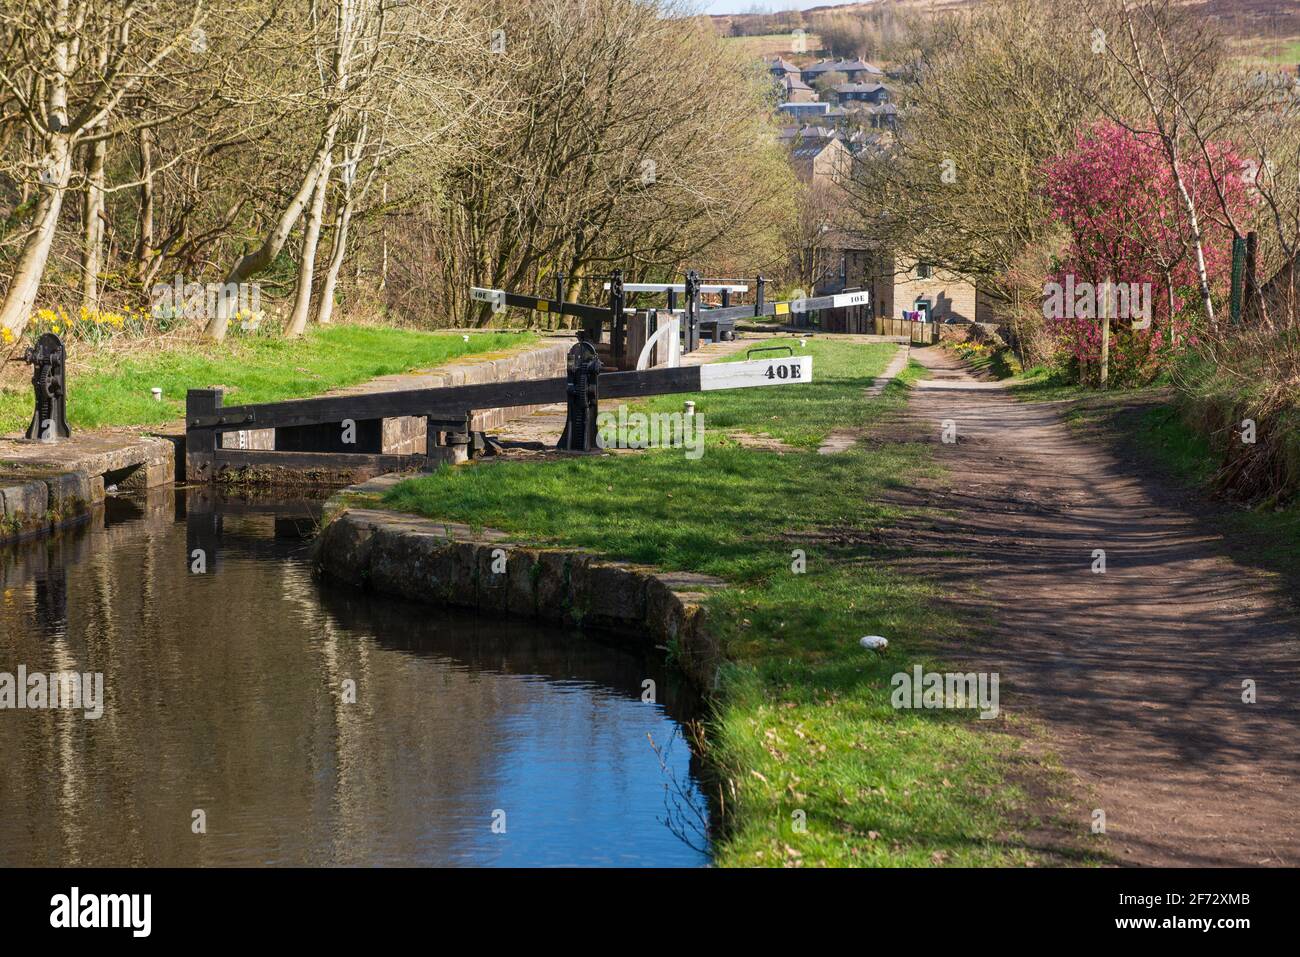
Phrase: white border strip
(788,370)
(676,287)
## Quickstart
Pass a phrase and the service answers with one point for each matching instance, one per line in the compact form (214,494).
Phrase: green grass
(1266,53)
(1185,453)
(1270,536)
(1046,384)
(803,720)
(1289,55)
(767,44)
(108,389)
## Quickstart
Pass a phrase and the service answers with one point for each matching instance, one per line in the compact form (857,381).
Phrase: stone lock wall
(32,506)
(45,486)
(448,564)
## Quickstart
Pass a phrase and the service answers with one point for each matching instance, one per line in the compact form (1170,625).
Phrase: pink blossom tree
(1114,193)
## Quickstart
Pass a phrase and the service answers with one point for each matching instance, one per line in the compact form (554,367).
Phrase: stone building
(821,160)
(901,286)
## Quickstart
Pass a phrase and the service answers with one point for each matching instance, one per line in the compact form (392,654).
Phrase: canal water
(253,715)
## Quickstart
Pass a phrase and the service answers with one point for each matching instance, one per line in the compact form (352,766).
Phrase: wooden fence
(920,333)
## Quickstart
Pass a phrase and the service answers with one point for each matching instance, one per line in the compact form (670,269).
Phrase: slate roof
(843,66)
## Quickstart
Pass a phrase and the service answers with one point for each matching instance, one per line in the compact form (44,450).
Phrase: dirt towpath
(1136,674)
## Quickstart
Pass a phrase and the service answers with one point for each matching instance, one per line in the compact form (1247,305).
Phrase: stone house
(900,285)
(874,94)
(795,90)
(821,160)
(781,68)
(804,110)
(882,117)
(855,71)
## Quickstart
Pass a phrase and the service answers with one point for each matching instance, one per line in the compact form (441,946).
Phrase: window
(923,270)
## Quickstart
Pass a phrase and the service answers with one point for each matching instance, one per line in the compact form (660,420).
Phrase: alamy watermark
(196,300)
(76,909)
(649,430)
(1101,300)
(40,691)
(936,690)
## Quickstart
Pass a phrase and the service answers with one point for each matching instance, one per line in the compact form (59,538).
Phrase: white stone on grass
(874,643)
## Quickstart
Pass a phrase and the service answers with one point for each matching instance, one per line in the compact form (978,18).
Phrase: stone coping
(46,486)
(451,564)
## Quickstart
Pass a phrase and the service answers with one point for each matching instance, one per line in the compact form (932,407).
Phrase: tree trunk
(1193,221)
(307,264)
(26,281)
(256,261)
(92,251)
(383,231)
(28,154)
(1104,373)
(144,243)
(325,307)
(57,171)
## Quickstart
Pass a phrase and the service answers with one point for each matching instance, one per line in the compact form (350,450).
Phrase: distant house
(882,117)
(869,143)
(873,93)
(795,90)
(860,71)
(816,131)
(780,67)
(790,135)
(813,108)
(856,71)
(900,285)
(821,160)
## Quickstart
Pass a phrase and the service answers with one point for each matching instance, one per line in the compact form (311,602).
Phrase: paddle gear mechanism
(49,369)
(580,425)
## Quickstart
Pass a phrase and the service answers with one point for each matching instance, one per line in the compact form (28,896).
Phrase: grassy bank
(110,388)
(803,721)
(1269,536)
(992,361)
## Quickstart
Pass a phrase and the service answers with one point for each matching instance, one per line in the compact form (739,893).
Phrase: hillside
(1267,31)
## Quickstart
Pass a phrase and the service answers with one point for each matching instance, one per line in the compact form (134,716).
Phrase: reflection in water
(229,693)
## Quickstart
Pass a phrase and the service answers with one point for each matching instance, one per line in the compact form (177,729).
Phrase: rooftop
(843,66)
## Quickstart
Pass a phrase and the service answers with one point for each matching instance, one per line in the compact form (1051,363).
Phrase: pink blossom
(1116,195)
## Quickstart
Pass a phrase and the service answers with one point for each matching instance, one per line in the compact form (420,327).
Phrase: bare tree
(68,65)
(991,94)
(1165,56)
(632,139)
